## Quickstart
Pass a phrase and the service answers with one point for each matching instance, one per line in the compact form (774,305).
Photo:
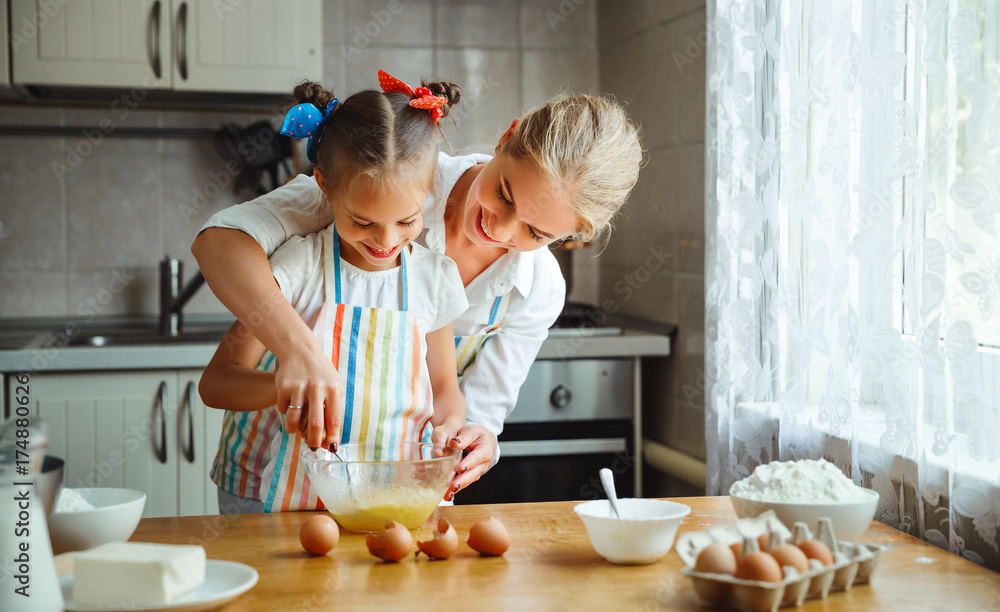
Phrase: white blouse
(538,291)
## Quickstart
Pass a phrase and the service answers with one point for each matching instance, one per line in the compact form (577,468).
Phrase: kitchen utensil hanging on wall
(260,151)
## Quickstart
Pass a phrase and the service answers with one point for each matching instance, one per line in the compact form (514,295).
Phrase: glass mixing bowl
(363,493)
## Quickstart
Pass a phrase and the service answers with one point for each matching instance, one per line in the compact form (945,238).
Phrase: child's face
(376,222)
(511,206)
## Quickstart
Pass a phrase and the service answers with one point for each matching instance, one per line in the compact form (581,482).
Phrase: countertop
(550,566)
(42,346)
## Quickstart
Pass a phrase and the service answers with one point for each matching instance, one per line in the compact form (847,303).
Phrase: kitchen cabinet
(145,430)
(264,46)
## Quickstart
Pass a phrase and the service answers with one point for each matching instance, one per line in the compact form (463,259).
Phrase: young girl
(380,307)
(561,170)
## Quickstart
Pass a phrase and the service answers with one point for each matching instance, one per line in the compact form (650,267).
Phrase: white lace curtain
(853,262)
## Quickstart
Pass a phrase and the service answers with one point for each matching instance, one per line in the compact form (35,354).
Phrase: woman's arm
(230,381)
(449,405)
(237,270)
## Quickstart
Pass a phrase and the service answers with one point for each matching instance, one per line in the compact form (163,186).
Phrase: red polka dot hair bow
(422,97)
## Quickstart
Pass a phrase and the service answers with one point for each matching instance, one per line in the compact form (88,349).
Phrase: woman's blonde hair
(586,146)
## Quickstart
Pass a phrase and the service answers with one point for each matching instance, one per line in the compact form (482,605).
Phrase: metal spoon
(608,480)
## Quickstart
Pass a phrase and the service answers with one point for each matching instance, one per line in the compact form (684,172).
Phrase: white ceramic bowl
(115,516)
(850,518)
(644,533)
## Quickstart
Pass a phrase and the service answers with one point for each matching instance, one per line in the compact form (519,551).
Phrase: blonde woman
(562,170)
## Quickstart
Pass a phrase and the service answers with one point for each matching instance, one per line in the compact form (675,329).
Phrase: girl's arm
(236,268)
(449,405)
(230,381)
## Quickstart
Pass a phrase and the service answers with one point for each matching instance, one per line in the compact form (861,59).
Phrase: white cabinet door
(199,428)
(138,430)
(113,430)
(113,43)
(265,46)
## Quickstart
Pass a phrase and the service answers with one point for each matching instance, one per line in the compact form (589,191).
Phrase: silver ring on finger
(295,407)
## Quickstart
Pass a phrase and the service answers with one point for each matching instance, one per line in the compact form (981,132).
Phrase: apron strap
(334,271)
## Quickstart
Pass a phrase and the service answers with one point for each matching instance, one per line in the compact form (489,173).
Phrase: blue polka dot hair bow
(306,120)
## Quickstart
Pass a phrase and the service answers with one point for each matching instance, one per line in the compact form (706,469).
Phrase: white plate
(224,580)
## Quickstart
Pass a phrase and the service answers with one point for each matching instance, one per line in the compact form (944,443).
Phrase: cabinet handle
(189,407)
(182,32)
(161,452)
(157,68)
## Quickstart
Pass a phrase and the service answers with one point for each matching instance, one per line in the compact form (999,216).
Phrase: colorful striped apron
(381,358)
(467,347)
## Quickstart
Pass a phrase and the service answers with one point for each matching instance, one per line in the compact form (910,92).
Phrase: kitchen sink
(100,340)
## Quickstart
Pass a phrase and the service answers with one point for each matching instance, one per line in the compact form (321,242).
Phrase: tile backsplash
(88,235)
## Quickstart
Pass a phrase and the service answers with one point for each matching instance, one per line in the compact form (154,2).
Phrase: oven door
(573,417)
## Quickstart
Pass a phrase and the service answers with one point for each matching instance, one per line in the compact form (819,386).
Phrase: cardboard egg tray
(853,564)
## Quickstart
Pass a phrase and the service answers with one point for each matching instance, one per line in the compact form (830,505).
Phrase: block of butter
(123,575)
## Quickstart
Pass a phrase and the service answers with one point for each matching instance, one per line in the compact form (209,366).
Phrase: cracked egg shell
(392,544)
(489,538)
(443,545)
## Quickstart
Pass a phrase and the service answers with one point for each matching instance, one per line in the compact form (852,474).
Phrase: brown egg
(814,549)
(392,544)
(716,559)
(737,548)
(444,544)
(489,538)
(319,534)
(790,556)
(758,566)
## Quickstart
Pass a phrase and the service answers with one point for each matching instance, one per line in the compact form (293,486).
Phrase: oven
(572,418)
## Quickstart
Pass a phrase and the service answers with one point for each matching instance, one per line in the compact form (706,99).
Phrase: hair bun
(314,93)
(449,91)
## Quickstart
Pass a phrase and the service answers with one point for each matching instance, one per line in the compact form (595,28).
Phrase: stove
(572,418)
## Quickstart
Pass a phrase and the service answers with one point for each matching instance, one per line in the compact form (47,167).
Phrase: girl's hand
(308,379)
(444,432)
(479,445)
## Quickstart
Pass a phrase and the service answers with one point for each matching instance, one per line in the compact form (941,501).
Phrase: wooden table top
(550,566)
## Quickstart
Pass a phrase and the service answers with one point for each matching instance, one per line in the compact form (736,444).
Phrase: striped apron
(467,347)
(381,357)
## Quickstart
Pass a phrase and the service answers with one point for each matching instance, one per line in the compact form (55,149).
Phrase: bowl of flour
(806,491)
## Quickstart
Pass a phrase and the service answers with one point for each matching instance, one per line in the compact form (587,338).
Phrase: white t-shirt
(435,290)
(537,288)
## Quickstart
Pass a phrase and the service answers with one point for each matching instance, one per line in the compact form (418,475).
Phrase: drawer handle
(161,452)
(548,448)
(157,68)
(182,31)
(189,408)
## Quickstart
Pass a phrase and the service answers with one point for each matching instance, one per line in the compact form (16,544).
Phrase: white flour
(71,501)
(807,481)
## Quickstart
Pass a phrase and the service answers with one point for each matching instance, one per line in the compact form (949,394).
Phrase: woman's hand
(479,445)
(306,378)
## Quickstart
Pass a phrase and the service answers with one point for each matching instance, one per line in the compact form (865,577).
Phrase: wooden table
(550,566)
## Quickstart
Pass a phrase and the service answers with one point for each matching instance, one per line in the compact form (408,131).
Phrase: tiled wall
(67,242)
(652,57)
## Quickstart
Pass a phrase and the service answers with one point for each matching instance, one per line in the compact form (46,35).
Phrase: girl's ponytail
(450,91)
(314,93)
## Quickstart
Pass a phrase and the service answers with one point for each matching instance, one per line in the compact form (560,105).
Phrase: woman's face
(375,222)
(510,206)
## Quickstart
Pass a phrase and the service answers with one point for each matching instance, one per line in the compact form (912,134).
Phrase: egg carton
(853,564)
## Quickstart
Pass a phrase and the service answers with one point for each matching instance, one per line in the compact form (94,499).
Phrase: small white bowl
(643,534)
(115,516)
(850,518)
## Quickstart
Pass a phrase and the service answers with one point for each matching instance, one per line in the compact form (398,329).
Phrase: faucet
(173,297)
